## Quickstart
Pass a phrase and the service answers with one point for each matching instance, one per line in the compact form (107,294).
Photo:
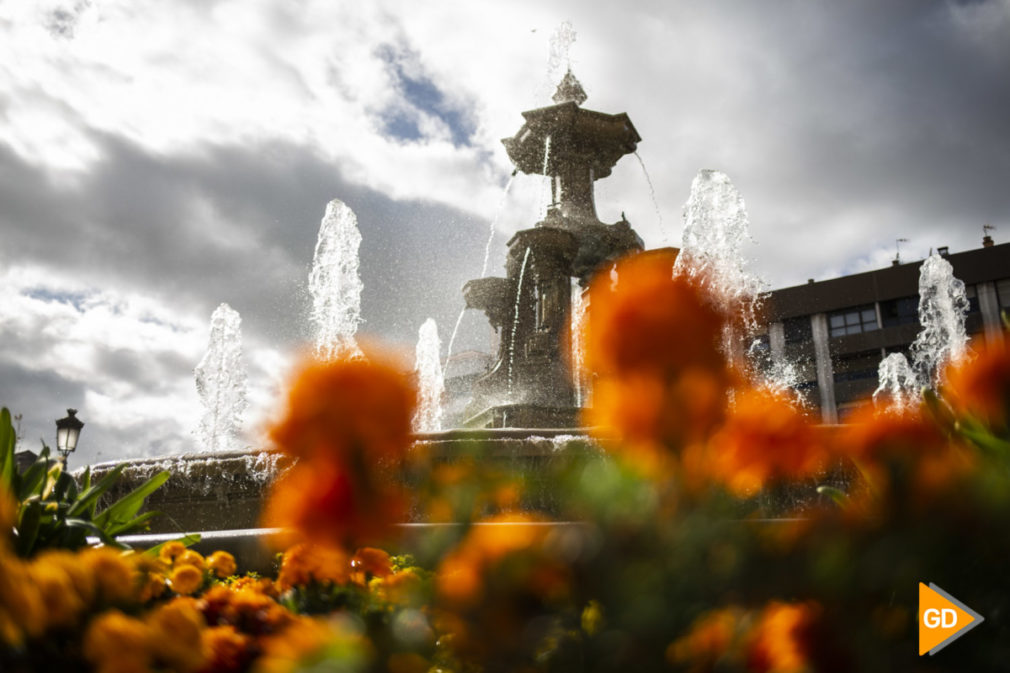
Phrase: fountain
(942,339)
(221,382)
(334,282)
(530,384)
(430,381)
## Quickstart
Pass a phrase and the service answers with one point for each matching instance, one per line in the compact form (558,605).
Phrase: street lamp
(67,431)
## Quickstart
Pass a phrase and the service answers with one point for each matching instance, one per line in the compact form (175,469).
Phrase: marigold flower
(176,640)
(303,564)
(171,550)
(330,503)
(903,447)
(711,637)
(222,564)
(980,387)
(780,638)
(115,643)
(764,438)
(226,648)
(369,562)
(333,644)
(186,579)
(115,576)
(22,610)
(653,343)
(191,558)
(63,604)
(339,408)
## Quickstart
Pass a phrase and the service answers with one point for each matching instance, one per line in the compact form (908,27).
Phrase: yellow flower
(190,558)
(115,643)
(227,649)
(186,579)
(333,644)
(63,604)
(171,550)
(222,564)
(176,635)
(116,578)
(22,611)
(304,563)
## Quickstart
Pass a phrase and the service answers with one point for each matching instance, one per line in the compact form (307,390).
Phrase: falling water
(515,316)
(546,185)
(221,382)
(334,283)
(578,320)
(559,58)
(652,194)
(715,227)
(943,306)
(430,380)
(483,268)
(898,388)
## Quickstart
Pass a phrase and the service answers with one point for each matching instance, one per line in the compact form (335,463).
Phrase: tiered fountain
(530,385)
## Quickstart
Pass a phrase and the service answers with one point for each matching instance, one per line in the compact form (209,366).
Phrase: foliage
(55,511)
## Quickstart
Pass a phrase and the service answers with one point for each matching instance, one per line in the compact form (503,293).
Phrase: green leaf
(838,496)
(7,440)
(134,524)
(90,496)
(28,526)
(187,540)
(127,507)
(31,480)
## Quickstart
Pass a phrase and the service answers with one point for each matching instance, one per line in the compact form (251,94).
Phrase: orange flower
(117,580)
(348,423)
(186,579)
(981,387)
(653,343)
(780,638)
(903,451)
(227,649)
(328,503)
(171,550)
(303,564)
(249,611)
(115,643)
(369,562)
(175,635)
(222,564)
(711,637)
(765,438)
(334,644)
(339,408)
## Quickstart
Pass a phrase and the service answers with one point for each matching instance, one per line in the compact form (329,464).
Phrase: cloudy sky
(159,158)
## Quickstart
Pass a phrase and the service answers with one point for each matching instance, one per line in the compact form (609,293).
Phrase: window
(797,330)
(853,320)
(903,311)
(971,292)
(859,366)
(1003,293)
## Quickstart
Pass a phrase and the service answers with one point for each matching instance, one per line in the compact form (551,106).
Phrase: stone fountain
(530,385)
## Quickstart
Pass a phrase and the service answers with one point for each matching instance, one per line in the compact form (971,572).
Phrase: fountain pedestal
(531,384)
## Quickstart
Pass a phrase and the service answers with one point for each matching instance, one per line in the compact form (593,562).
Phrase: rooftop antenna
(987,241)
(897,250)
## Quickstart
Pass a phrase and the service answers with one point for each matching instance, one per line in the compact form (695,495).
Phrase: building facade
(837,331)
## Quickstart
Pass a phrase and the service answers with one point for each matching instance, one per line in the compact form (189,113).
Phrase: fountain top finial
(570,89)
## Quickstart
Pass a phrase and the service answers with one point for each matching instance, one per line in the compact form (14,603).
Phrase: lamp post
(67,431)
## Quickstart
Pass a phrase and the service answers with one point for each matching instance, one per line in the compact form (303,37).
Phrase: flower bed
(670,562)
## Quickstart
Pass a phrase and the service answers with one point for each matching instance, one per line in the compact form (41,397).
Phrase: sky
(160,158)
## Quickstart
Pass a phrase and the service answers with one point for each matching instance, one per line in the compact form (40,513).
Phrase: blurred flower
(222,564)
(713,636)
(369,562)
(314,644)
(765,438)
(227,650)
(653,343)
(186,579)
(780,639)
(171,550)
(116,577)
(403,588)
(348,422)
(303,564)
(980,387)
(902,456)
(191,558)
(22,610)
(62,602)
(338,408)
(115,643)
(249,610)
(176,639)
